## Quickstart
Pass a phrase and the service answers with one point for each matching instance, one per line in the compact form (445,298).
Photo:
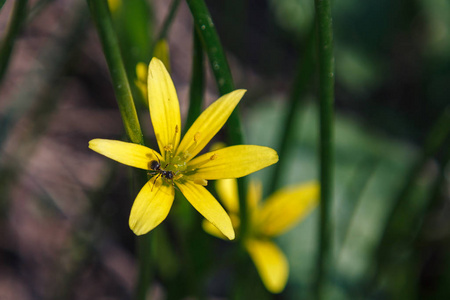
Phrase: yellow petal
(164,107)
(228,194)
(287,207)
(162,53)
(152,205)
(208,124)
(130,154)
(207,205)
(270,262)
(231,162)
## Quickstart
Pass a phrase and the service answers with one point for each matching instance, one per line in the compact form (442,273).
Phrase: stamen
(168,148)
(203,162)
(174,140)
(196,137)
(187,153)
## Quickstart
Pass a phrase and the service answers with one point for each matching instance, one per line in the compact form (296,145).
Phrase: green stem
(197,83)
(100,14)
(219,64)
(7,44)
(305,70)
(326,100)
(2,2)
(169,20)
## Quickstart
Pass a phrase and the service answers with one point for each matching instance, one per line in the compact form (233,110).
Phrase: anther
(196,137)
(201,182)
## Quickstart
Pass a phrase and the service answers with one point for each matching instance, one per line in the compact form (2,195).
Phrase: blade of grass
(17,18)
(100,14)
(326,143)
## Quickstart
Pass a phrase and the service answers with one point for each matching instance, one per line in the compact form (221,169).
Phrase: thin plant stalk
(221,71)
(100,14)
(197,83)
(326,143)
(168,20)
(18,17)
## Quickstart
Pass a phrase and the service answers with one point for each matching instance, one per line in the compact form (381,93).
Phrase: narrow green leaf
(100,14)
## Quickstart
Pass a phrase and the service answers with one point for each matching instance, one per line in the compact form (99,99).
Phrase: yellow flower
(177,164)
(280,212)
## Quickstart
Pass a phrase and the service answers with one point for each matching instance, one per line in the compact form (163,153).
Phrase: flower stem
(197,83)
(326,144)
(219,64)
(100,14)
(17,18)
(168,20)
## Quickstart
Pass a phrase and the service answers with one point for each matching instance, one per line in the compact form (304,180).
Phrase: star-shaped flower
(276,215)
(177,164)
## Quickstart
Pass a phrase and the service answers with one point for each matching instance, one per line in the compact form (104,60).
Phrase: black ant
(156,167)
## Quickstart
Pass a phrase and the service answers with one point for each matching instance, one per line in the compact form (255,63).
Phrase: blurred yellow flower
(279,213)
(176,164)
(161,52)
(141,80)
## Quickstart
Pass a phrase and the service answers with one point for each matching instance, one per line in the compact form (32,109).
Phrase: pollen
(168,147)
(196,137)
(213,157)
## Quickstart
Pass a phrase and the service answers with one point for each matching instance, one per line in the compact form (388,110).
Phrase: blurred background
(64,209)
